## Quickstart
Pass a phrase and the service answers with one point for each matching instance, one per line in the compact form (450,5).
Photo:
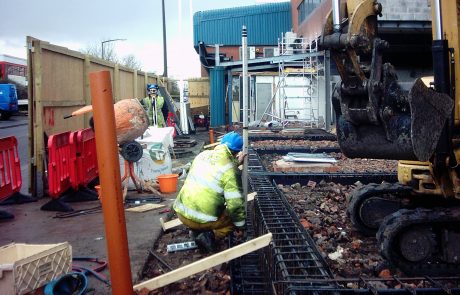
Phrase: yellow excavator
(416,221)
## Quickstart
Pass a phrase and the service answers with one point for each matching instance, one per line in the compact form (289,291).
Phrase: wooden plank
(251,196)
(62,50)
(116,83)
(205,263)
(145,207)
(31,113)
(169,224)
(211,145)
(283,166)
(135,95)
(63,103)
(87,89)
(39,131)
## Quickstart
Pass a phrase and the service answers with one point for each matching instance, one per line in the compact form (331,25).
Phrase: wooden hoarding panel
(126,84)
(64,77)
(58,85)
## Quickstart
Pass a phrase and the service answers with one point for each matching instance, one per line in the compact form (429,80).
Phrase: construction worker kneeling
(210,202)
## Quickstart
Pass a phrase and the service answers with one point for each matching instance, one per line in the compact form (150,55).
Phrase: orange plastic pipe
(211,136)
(109,175)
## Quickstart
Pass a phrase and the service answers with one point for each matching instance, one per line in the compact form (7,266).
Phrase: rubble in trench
(295,142)
(215,280)
(321,207)
(344,164)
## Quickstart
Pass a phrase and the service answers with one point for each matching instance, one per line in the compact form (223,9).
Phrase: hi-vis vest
(158,117)
(212,186)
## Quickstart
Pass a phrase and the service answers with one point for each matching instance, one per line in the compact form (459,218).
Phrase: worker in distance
(153,105)
(210,202)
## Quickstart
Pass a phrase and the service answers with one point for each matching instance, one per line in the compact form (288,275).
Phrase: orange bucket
(168,183)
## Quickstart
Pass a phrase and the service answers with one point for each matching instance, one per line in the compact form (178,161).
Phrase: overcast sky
(79,24)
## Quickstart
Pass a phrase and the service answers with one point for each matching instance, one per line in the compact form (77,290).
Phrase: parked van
(8,101)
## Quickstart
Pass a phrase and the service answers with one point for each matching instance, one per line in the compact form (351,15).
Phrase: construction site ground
(86,232)
(319,205)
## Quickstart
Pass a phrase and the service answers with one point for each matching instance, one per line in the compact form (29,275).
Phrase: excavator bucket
(429,112)
(403,136)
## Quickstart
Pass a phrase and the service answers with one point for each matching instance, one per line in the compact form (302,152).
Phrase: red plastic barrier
(83,143)
(171,123)
(10,167)
(74,176)
(59,164)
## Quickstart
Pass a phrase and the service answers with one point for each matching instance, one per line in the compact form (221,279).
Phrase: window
(305,8)
(16,70)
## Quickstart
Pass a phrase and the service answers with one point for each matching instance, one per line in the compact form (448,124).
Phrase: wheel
(370,204)
(417,244)
(4,115)
(132,151)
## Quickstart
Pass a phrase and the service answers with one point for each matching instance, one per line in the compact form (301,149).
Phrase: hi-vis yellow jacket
(212,186)
(154,112)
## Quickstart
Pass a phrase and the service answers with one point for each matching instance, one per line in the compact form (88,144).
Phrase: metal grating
(293,265)
(248,277)
(342,178)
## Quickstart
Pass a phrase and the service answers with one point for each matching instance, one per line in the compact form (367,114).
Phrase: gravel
(345,165)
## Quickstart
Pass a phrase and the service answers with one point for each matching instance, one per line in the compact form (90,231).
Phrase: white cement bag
(155,161)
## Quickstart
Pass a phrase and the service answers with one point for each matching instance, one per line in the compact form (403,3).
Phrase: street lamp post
(165,52)
(107,41)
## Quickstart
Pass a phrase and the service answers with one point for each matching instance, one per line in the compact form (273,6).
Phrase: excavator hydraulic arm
(376,116)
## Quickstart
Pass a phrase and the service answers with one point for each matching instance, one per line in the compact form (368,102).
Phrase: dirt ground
(212,281)
(321,207)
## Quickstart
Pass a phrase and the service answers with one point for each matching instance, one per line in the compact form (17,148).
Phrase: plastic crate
(26,267)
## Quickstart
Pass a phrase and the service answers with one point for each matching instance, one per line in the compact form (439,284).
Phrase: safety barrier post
(59,164)
(85,169)
(109,174)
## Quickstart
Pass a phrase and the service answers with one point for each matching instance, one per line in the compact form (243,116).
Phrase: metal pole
(109,174)
(244,50)
(336,15)
(216,54)
(165,54)
(327,82)
(229,97)
(106,41)
(437,20)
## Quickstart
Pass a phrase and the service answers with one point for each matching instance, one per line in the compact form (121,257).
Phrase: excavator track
(422,241)
(371,203)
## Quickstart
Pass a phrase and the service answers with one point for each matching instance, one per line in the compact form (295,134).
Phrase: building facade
(406,25)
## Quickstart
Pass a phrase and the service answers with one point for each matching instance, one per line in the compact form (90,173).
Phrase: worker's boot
(206,241)
(193,233)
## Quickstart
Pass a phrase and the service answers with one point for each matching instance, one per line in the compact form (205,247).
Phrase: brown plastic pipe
(109,175)
(211,136)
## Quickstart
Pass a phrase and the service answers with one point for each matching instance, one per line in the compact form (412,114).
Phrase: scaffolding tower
(296,97)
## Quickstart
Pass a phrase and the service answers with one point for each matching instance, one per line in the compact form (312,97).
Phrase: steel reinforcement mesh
(292,264)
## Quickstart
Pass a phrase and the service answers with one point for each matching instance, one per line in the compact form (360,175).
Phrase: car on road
(8,101)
